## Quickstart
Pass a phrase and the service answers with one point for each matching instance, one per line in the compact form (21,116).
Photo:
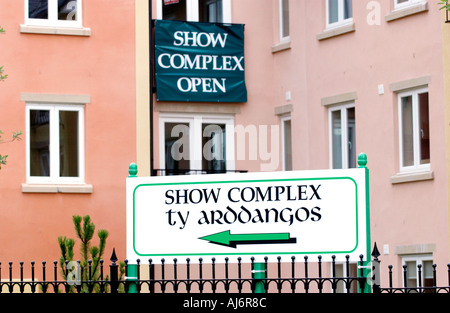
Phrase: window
(399,4)
(284,19)
(286,131)
(55,149)
(339,12)
(414,264)
(414,130)
(196,145)
(342,136)
(210,11)
(56,13)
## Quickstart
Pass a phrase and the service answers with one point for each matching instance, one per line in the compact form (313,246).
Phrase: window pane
(351,133)
(68,144)
(424,125)
(38,9)
(67,10)
(407,131)
(333,11)
(427,274)
(348,9)
(285,18)
(174,11)
(211,11)
(411,273)
(214,148)
(336,125)
(39,143)
(177,148)
(287,145)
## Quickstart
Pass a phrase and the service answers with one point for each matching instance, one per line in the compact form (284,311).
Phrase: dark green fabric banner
(199,62)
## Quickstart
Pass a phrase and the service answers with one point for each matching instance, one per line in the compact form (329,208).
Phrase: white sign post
(249,215)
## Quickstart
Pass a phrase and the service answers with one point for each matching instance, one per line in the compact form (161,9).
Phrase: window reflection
(38,9)
(67,10)
(40,143)
(68,143)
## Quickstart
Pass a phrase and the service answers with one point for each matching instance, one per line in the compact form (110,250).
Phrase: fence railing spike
(375,252)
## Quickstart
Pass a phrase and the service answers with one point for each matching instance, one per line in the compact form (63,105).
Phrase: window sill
(57,188)
(408,11)
(412,177)
(48,30)
(282,46)
(334,32)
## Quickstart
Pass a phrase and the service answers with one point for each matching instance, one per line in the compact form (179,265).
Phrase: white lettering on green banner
(199,62)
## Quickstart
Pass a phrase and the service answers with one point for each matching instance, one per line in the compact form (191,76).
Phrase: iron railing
(293,276)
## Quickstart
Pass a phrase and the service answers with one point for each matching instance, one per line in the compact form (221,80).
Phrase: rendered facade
(71,80)
(326,80)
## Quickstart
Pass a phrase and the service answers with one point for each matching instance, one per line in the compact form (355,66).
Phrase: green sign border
(257,253)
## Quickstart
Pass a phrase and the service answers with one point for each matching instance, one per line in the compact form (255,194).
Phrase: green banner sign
(199,62)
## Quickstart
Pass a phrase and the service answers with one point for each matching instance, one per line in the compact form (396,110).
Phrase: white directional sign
(243,215)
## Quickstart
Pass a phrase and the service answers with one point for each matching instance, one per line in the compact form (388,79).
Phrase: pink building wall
(411,214)
(101,66)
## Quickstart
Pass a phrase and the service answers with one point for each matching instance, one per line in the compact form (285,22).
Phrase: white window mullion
(344,137)
(192,8)
(81,153)
(28,141)
(54,144)
(53,11)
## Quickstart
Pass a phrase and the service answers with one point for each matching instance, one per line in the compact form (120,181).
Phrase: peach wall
(102,66)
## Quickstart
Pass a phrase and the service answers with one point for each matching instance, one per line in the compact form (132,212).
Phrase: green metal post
(362,163)
(132,277)
(259,274)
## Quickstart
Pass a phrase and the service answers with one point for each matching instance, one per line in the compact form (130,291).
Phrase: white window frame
(344,134)
(419,259)
(341,20)
(52,20)
(408,3)
(417,167)
(283,120)
(192,10)
(195,145)
(283,37)
(54,177)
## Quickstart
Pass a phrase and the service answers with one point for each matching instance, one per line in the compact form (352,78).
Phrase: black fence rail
(293,276)
(433,288)
(247,277)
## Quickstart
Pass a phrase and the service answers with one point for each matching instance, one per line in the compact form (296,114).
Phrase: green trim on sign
(252,253)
